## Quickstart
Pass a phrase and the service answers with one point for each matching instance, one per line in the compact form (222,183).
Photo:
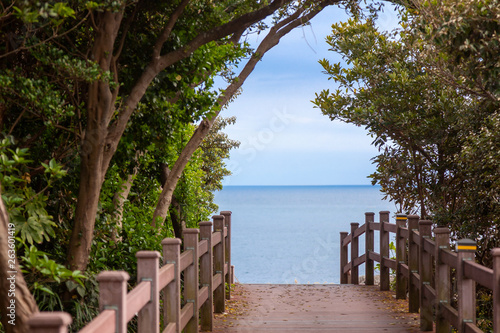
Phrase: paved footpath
(272,308)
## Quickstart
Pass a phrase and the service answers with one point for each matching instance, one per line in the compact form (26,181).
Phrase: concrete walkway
(314,308)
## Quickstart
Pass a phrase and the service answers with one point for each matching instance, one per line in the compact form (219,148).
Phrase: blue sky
(284,139)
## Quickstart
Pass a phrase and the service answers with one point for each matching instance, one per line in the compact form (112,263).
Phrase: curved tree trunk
(16,302)
(272,39)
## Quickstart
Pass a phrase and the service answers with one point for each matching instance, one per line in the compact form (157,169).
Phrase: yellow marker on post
(467,245)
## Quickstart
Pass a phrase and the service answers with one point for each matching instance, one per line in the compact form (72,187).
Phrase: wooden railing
(206,265)
(422,265)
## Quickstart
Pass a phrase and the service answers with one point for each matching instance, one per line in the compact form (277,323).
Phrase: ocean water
(290,234)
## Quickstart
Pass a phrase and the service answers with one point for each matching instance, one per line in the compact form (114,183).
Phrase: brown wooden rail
(422,266)
(206,264)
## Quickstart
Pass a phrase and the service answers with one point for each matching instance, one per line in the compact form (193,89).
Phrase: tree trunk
(16,302)
(118,201)
(175,217)
(91,180)
(174,175)
(95,146)
(175,208)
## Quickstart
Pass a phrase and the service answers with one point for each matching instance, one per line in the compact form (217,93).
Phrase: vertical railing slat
(384,252)
(354,254)
(401,280)
(413,294)
(219,251)
(171,293)
(425,269)
(466,250)
(148,266)
(113,295)
(369,247)
(191,278)
(442,278)
(206,273)
(343,258)
(227,248)
(495,254)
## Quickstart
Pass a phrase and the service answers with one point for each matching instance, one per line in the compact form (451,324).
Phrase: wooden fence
(206,266)
(423,263)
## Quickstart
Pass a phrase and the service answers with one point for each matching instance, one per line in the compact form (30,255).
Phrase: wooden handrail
(479,273)
(206,265)
(418,258)
(105,322)
(428,245)
(216,238)
(202,247)
(137,299)
(187,312)
(186,259)
(167,275)
(359,231)
(404,232)
(449,258)
(390,227)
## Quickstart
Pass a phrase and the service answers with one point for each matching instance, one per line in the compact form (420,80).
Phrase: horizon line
(229,185)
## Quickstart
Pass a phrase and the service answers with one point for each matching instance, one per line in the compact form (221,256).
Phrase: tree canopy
(428,94)
(111,137)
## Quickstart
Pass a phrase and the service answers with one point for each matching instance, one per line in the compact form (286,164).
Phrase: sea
(290,234)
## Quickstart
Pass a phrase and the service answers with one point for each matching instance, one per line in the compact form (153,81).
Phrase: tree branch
(271,40)
(157,65)
(55,35)
(219,32)
(165,34)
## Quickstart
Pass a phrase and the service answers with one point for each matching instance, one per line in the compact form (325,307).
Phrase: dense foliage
(431,108)
(110,139)
(45,74)
(429,94)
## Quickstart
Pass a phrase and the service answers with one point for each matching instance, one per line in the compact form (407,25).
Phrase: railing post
(229,279)
(414,296)
(206,274)
(466,249)
(354,254)
(49,322)
(425,269)
(148,266)
(401,280)
(219,294)
(369,248)
(442,278)
(343,258)
(191,278)
(113,296)
(495,253)
(384,252)
(172,292)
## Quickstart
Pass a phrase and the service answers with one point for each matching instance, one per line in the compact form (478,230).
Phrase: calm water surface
(290,234)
